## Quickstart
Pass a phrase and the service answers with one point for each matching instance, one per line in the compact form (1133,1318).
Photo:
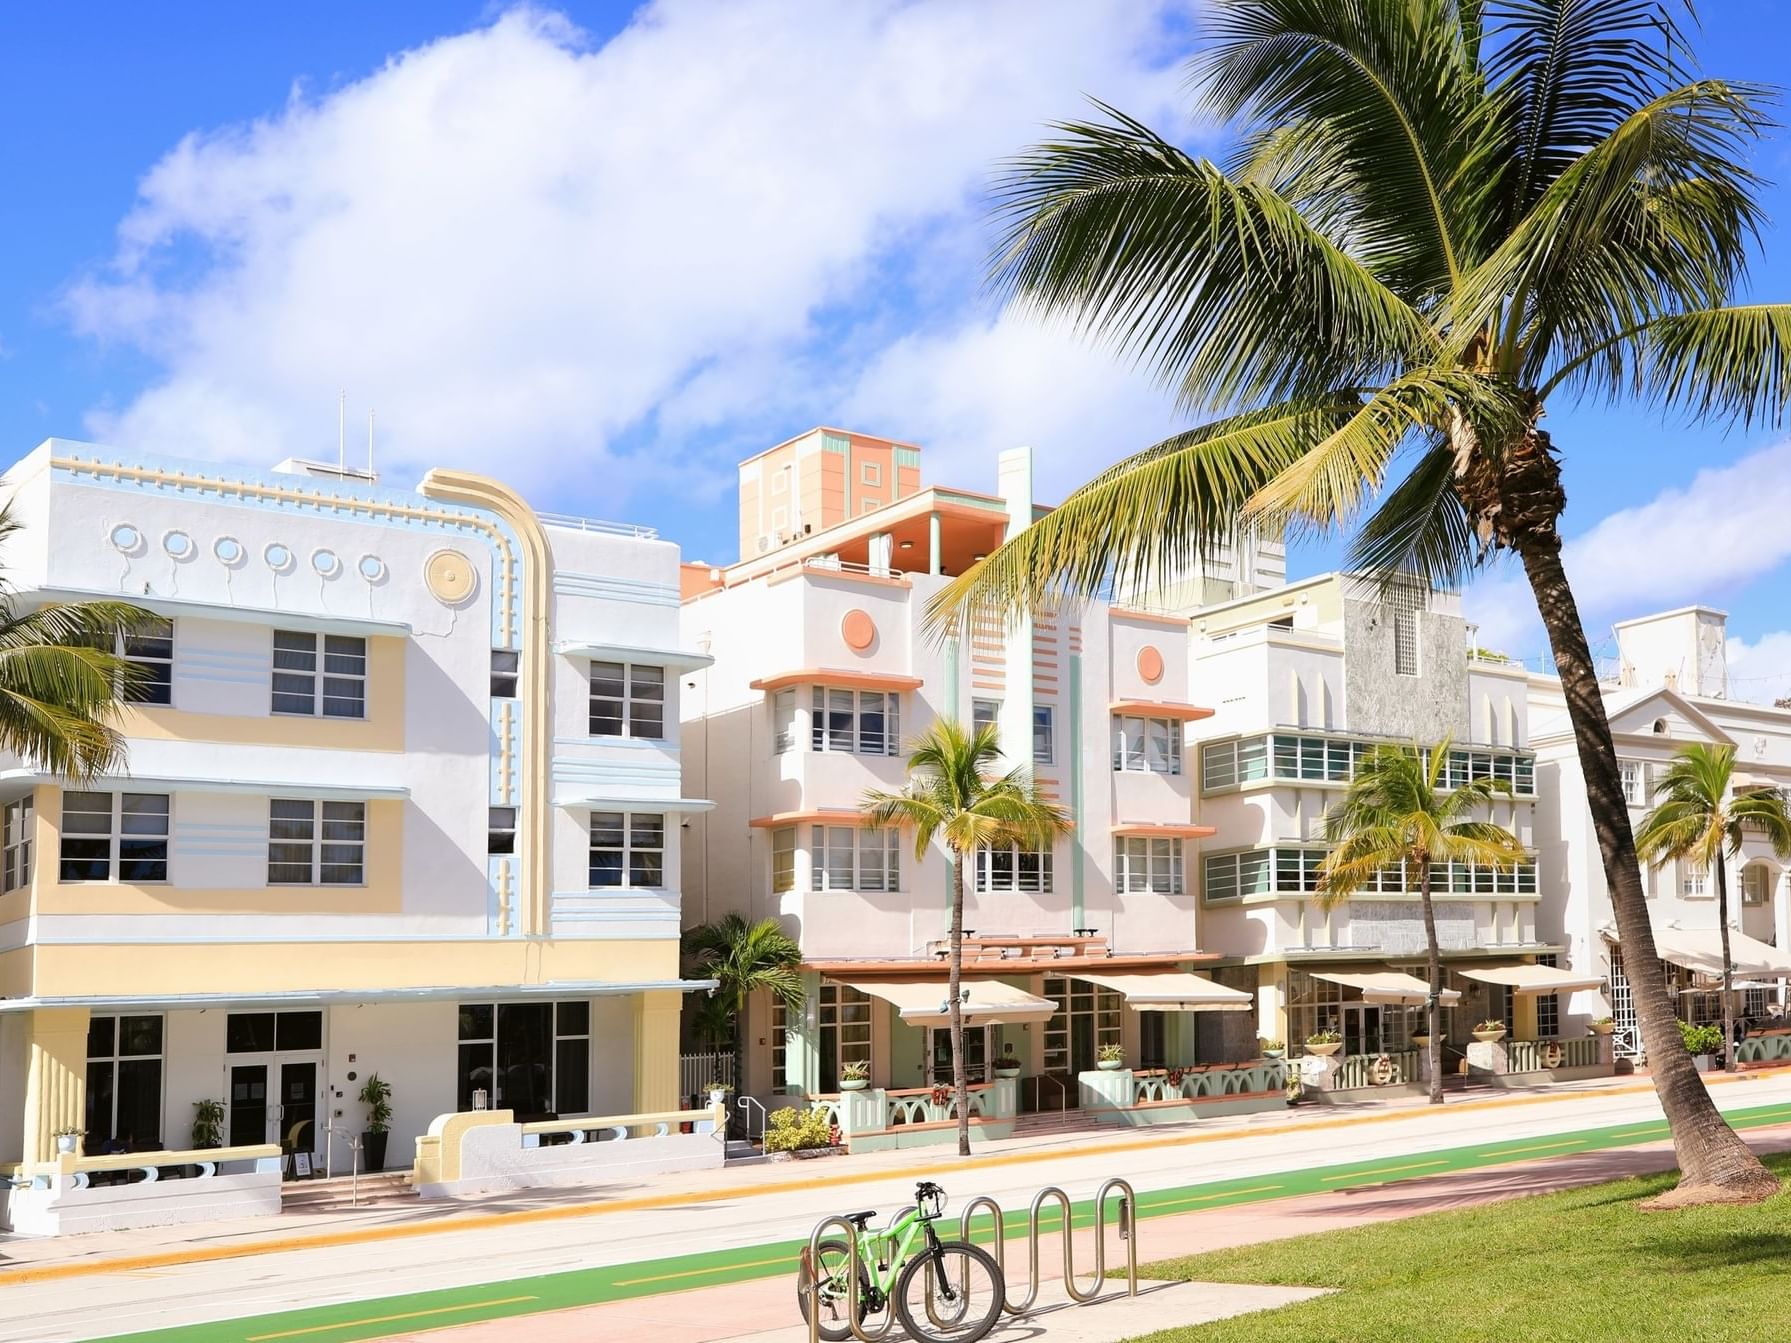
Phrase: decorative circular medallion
(1380,1072)
(125,537)
(1150,664)
(327,562)
(278,557)
(229,550)
(450,576)
(372,568)
(179,545)
(858,630)
(1552,1055)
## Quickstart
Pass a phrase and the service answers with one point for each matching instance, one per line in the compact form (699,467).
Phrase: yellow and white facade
(403,798)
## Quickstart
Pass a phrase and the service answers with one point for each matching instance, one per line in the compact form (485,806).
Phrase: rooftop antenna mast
(369,445)
(341,429)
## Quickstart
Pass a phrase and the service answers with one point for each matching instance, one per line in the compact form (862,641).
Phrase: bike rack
(1126,1223)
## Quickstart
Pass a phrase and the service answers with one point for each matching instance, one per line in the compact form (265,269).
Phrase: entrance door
(1361,1028)
(976,1055)
(248,1104)
(524,1060)
(297,1119)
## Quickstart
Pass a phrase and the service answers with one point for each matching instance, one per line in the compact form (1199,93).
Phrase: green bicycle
(947,1292)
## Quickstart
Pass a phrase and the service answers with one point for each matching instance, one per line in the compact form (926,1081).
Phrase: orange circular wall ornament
(858,630)
(1150,664)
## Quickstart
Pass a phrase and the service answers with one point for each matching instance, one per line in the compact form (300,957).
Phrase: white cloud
(520,247)
(1760,671)
(1688,543)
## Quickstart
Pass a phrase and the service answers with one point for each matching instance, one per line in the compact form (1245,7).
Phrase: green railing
(1211,1081)
(1764,1048)
(1540,1056)
(1376,1070)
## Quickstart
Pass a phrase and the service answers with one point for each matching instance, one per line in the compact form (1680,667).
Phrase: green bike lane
(376,1318)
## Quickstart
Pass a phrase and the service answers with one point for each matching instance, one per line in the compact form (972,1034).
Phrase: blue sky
(605,253)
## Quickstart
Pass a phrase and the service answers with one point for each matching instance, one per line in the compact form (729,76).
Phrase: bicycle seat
(858,1219)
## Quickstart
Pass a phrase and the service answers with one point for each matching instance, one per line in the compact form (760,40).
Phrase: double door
(978,1044)
(278,1100)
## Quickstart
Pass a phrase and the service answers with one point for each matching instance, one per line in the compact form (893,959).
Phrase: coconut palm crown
(1441,217)
(1696,820)
(743,957)
(957,796)
(1397,814)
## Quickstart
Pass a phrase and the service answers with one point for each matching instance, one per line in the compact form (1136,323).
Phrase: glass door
(297,1115)
(976,1054)
(524,1060)
(1361,1028)
(248,1104)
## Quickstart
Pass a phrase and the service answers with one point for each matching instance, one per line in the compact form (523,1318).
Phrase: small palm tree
(1396,814)
(743,958)
(955,795)
(1696,820)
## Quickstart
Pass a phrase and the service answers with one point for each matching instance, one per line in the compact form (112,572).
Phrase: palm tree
(743,958)
(61,680)
(1696,820)
(954,795)
(1396,814)
(1442,217)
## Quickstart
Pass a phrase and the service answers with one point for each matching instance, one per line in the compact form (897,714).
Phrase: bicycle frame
(899,1236)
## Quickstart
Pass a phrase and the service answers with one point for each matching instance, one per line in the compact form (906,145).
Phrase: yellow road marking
(191,1254)
(1207,1198)
(1384,1170)
(699,1272)
(391,1319)
(1660,1127)
(1537,1147)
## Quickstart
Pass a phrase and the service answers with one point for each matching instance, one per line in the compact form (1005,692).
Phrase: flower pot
(65,1142)
(857,1085)
(373,1151)
(1603,1027)
(1489,1036)
(1325,1051)
(1704,1062)
(1110,1065)
(1421,1041)
(718,1096)
(1274,1053)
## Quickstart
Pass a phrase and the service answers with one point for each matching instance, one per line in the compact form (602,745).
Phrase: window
(984,713)
(780,1045)
(869,505)
(783,721)
(870,473)
(1405,600)
(124,1084)
(320,675)
(1227,764)
(1548,1005)
(270,1032)
(103,833)
(863,721)
(845,1021)
(1088,1017)
(856,858)
(1011,868)
(15,865)
(1142,863)
(1292,758)
(1043,721)
(627,700)
(1694,882)
(534,1058)
(1147,744)
(627,849)
(313,843)
(1753,881)
(500,830)
(150,650)
(506,663)
(783,860)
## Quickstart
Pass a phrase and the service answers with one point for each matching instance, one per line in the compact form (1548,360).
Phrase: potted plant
(1008,1065)
(1272,1049)
(1421,1039)
(1490,1030)
(719,1093)
(208,1123)
(67,1139)
(1703,1043)
(855,1076)
(1324,1043)
(1603,1025)
(376,1095)
(1111,1058)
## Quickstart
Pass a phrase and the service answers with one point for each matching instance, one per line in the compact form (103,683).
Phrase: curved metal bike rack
(1126,1222)
(812,1254)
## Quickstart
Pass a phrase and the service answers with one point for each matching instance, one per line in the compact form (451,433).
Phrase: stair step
(380,1188)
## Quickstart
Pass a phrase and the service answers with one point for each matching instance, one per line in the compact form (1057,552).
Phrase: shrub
(855,1072)
(1702,1039)
(1112,1054)
(793,1130)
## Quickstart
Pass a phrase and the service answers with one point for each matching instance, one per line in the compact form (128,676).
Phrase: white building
(402,797)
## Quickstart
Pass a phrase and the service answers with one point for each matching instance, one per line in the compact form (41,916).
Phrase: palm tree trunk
(1715,1164)
(1722,922)
(1433,1008)
(960,1080)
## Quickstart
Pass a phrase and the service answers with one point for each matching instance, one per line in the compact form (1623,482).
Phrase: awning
(988,1002)
(1387,986)
(1702,950)
(1526,979)
(1171,991)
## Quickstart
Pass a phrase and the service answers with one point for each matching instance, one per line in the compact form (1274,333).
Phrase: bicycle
(948,1292)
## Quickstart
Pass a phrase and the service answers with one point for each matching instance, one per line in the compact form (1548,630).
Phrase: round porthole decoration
(1150,664)
(229,550)
(278,557)
(327,562)
(178,545)
(450,577)
(372,568)
(858,630)
(125,538)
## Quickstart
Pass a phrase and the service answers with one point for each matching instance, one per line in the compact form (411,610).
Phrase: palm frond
(1420,527)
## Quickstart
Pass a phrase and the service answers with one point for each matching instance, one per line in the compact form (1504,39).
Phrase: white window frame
(854,858)
(634,836)
(129,647)
(115,1058)
(1754,885)
(636,706)
(1694,882)
(329,684)
(783,859)
(1145,745)
(506,672)
(1008,867)
(15,861)
(870,473)
(985,713)
(340,851)
(1147,864)
(117,838)
(854,708)
(1044,734)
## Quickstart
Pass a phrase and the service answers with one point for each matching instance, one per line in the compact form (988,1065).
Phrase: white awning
(1172,991)
(1527,979)
(1702,950)
(988,1002)
(1387,986)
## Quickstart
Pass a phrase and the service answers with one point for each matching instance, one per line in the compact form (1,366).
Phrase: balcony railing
(577,524)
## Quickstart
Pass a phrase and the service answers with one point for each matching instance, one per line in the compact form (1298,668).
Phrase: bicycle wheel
(952,1295)
(835,1257)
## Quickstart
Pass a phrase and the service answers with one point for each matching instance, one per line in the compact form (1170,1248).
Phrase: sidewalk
(765,1311)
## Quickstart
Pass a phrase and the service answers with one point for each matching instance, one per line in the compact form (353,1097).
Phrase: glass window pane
(475,1072)
(101,1033)
(572,1076)
(646,869)
(140,1104)
(249,1033)
(87,813)
(475,1021)
(572,1018)
(144,813)
(299,1030)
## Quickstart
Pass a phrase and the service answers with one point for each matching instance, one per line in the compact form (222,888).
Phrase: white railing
(697,1071)
(484,1151)
(577,524)
(75,1194)
(194,1163)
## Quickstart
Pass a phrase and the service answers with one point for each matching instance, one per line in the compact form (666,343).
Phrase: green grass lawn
(1578,1267)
